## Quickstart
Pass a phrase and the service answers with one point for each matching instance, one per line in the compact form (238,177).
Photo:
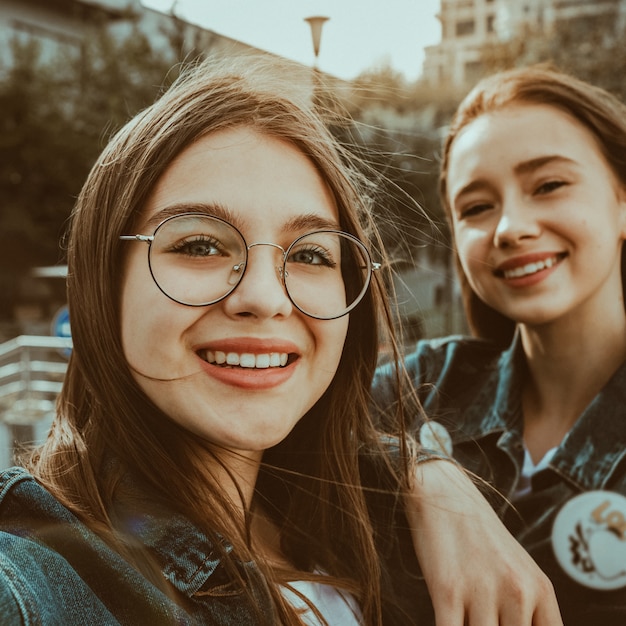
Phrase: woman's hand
(476,572)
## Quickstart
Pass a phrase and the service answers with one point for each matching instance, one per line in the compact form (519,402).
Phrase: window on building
(491,22)
(465,28)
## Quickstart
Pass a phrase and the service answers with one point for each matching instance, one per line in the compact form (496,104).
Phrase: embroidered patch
(589,539)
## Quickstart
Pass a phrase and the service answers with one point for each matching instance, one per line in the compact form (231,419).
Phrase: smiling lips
(265,368)
(246,359)
(511,270)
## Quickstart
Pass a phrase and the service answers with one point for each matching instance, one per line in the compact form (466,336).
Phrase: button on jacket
(54,571)
(474,390)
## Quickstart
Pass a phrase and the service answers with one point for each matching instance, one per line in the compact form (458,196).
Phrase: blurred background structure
(479,35)
(73,71)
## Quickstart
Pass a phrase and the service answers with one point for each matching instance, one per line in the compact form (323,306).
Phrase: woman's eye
(311,256)
(474,209)
(549,186)
(197,248)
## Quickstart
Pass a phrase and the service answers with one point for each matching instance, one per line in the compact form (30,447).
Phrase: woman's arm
(477,573)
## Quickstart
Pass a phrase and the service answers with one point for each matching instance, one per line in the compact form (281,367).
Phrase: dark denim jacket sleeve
(16,601)
(446,373)
(56,571)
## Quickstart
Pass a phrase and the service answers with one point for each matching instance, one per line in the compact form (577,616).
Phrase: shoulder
(22,499)
(25,564)
(435,359)
(458,351)
(15,597)
(25,579)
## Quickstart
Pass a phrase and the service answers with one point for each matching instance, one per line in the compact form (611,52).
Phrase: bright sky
(360,34)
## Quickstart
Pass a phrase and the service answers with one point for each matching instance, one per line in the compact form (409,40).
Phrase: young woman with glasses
(212,460)
(534,183)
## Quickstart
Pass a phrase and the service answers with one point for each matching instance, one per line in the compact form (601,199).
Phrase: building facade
(68,25)
(469,25)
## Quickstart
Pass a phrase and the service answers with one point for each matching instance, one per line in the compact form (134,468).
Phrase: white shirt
(529,469)
(339,608)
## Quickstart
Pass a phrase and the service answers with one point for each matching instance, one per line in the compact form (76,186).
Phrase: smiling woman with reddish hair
(533,180)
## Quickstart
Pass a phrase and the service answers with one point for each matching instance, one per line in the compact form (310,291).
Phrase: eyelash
(317,251)
(474,210)
(187,246)
(543,189)
(550,185)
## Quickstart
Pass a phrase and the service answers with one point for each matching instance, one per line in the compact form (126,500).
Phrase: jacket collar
(188,557)
(591,451)
(496,408)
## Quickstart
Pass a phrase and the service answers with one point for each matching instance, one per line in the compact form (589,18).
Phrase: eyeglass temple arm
(146,238)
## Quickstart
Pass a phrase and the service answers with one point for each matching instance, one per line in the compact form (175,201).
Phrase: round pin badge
(589,539)
(434,436)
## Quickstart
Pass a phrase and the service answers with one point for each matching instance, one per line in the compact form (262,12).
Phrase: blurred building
(68,24)
(468,25)
(68,27)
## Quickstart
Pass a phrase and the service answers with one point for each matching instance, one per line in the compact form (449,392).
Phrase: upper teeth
(247,359)
(530,268)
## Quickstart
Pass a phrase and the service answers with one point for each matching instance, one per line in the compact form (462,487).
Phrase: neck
(569,362)
(235,472)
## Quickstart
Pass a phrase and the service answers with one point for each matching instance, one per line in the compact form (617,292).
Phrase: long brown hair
(596,109)
(106,426)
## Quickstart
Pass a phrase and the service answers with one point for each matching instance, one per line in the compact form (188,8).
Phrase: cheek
(138,317)
(466,247)
(148,322)
(473,252)
(331,338)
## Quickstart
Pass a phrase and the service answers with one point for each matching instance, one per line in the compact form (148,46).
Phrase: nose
(516,223)
(261,292)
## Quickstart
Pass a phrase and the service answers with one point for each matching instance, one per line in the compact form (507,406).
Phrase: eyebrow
(310,221)
(534,164)
(298,223)
(525,167)
(173,210)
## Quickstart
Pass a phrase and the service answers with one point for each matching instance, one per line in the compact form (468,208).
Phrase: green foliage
(56,115)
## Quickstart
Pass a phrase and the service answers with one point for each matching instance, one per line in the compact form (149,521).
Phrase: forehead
(497,142)
(524,131)
(250,176)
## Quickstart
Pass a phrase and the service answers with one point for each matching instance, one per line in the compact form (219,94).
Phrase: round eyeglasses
(197,260)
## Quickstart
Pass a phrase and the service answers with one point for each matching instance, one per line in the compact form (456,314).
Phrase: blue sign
(61,326)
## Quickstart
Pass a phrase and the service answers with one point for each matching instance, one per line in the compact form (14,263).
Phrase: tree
(56,116)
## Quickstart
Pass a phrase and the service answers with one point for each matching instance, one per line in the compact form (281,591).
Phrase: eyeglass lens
(198,260)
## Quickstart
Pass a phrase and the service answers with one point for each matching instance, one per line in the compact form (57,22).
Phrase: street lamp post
(316,22)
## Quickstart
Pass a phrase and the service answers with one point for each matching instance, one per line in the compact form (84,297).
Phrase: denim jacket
(54,571)
(474,390)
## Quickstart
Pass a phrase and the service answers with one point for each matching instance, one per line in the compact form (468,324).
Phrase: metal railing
(32,369)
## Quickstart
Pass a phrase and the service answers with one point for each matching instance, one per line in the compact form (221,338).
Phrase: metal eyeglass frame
(371,265)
